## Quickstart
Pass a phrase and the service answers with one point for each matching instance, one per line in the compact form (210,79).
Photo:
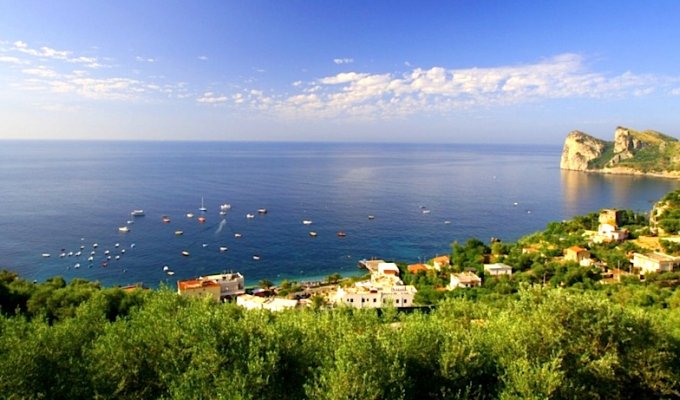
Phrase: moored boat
(313,234)
(190,215)
(137,213)
(179,233)
(237,235)
(185,253)
(123,229)
(46,255)
(201,219)
(223,249)
(225,207)
(202,207)
(256,258)
(262,210)
(250,216)
(341,234)
(165,219)
(306,221)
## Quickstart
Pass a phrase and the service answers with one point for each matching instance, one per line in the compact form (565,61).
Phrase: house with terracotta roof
(199,288)
(576,254)
(415,268)
(465,279)
(440,262)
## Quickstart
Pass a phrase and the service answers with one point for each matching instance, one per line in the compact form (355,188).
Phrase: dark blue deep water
(61,195)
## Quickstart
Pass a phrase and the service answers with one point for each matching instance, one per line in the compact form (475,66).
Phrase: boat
(130,222)
(137,213)
(179,233)
(307,221)
(223,249)
(122,251)
(62,255)
(77,253)
(166,268)
(190,215)
(256,258)
(202,208)
(313,234)
(250,216)
(204,245)
(237,235)
(76,266)
(223,212)
(371,217)
(225,207)
(426,211)
(46,255)
(170,273)
(123,229)
(104,264)
(117,245)
(447,222)
(262,210)
(165,219)
(95,245)
(106,253)
(185,253)
(93,252)
(117,257)
(70,253)
(201,219)
(341,234)
(90,259)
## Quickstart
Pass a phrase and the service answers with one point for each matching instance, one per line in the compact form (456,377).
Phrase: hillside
(631,152)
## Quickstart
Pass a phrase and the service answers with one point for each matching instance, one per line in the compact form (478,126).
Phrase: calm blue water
(66,194)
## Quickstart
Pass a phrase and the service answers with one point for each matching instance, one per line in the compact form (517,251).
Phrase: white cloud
(42,72)
(50,53)
(145,59)
(675,92)
(11,60)
(443,90)
(203,58)
(211,98)
(340,61)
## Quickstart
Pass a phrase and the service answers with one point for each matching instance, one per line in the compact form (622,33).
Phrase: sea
(62,197)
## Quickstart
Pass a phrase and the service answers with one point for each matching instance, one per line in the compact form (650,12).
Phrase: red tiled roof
(414,268)
(195,283)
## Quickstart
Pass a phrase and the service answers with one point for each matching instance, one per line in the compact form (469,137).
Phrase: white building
(231,284)
(251,302)
(609,233)
(372,294)
(464,280)
(498,269)
(388,269)
(655,262)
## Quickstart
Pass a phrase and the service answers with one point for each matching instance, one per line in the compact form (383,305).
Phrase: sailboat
(202,206)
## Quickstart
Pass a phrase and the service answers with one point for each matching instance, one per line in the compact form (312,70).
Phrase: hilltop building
(465,279)
(498,269)
(655,262)
(608,230)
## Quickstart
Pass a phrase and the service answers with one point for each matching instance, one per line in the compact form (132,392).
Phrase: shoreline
(629,172)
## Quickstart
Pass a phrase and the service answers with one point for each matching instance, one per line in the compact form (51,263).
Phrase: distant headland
(632,153)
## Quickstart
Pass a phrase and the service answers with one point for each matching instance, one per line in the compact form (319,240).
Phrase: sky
(350,71)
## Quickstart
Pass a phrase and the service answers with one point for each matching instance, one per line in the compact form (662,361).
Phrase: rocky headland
(632,153)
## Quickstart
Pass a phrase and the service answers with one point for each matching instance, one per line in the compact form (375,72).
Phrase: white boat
(46,255)
(116,245)
(137,213)
(122,251)
(190,215)
(123,229)
(223,249)
(371,217)
(117,257)
(447,222)
(95,245)
(426,211)
(70,253)
(307,221)
(179,233)
(185,253)
(106,253)
(237,235)
(204,245)
(262,210)
(170,273)
(223,212)
(76,266)
(90,258)
(313,234)
(225,207)
(77,253)
(166,268)
(250,216)
(202,208)
(256,258)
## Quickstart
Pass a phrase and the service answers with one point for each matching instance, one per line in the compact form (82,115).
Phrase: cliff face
(631,152)
(579,150)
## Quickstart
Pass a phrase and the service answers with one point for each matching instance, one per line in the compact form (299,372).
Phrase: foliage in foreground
(539,343)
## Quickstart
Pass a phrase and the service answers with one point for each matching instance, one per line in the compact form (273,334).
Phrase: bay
(66,194)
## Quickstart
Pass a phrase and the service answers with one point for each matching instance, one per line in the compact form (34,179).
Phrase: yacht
(202,208)
(137,213)
(307,221)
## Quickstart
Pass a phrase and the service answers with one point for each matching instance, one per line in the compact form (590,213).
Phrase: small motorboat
(426,211)
(223,213)
(262,210)
(70,253)
(170,273)
(62,255)
(93,253)
(104,264)
(90,258)
(95,245)
(76,266)
(106,253)
(223,249)
(132,246)
(117,245)
(179,233)
(117,257)
(122,251)
(190,215)
(108,257)
(341,234)
(77,253)
(204,245)
(447,222)
(306,221)
(237,235)
(225,207)
(166,268)
(165,219)
(313,234)
(137,213)
(82,247)
(130,222)
(250,216)
(185,253)
(201,220)
(46,255)
(371,217)
(256,258)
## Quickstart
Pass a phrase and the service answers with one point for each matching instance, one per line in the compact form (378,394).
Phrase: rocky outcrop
(583,152)
(579,150)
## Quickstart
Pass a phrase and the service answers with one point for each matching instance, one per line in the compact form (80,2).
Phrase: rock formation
(579,150)
(631,152)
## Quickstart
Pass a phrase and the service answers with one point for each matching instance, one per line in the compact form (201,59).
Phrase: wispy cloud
(12,60)
(145,59)
(203,58)
(50,53)
(340,61)
(211,98)
(443,90)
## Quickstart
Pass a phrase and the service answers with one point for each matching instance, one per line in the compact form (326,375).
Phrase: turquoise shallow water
(61,195)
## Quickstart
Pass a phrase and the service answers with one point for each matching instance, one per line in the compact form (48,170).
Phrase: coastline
(628,171)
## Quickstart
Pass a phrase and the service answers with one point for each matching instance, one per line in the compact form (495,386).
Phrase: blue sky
(402,71)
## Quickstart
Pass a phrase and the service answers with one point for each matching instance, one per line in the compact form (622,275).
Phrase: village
(391,284)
